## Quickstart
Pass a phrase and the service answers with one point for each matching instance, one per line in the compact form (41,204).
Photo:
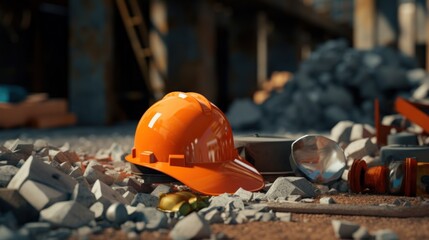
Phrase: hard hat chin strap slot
(147,157)
(177,160)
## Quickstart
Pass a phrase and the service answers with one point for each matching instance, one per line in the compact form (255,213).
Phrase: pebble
(244,194)
(282,187)
(284,216)
(213,216)
(69,214)
(361,234)
(6,174)
(160,189)
(117,213)
(98,209)
(191,227)
(327,200)
(148,200)
(155,219)
(83,195)
(36,228)
(224,199)
(386,234)
(105,194)
(344,229)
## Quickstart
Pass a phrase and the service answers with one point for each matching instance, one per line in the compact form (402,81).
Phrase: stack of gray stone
(335,83)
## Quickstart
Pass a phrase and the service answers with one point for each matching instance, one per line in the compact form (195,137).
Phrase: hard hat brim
(211,178)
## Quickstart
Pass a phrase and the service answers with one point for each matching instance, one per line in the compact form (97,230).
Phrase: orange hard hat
(188,138)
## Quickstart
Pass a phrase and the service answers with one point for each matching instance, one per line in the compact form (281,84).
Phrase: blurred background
(272,65)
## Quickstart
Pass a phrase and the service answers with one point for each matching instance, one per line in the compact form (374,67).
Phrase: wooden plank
(364,24)
(262,52)
(387,23)
(15,115)
(52,121)
(355,210)
(421,19)
(407,26)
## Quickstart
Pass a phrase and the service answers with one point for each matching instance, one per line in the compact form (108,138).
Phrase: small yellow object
(183,202)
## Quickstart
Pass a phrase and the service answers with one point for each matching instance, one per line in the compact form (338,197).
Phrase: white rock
(154,218)
(341,131)
(307,200)
(244,194)
(160,189)
(360,148)
(304,185)
(345,175)
(294,198)
(146,199)
(38,171)
(362,234)
(105,194)
(95,171)
(98,209)
(360,131)
(333,191)
(129,196)
(224,199)
(191,227)
(386,234)
(8,234)
(344,229)
(284,216)
(83,195)
(326,200)
(265,216)
(39,144)
(67,214)
(117,213)
(422,92)
(282,187)
(6,174)
(258,196)
(36,228)
(39,195)
(213,216)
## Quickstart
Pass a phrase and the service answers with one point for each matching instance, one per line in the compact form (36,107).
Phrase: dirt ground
(309,226)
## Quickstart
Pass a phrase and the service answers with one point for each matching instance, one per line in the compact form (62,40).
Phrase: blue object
(12,93)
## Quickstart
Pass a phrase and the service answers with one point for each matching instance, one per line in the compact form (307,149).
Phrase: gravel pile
(56,192)
(335,83)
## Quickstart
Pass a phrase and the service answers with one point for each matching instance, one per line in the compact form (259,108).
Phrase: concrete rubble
(335,83)
(191,227)
(87,195)
(286,186)
(69,214)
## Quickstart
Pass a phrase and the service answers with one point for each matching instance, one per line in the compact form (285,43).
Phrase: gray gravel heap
(335,83)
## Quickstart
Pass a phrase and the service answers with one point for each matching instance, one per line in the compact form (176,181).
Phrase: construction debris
(191,227)
(117,213)
(69,214)
(335,83)
(344,229)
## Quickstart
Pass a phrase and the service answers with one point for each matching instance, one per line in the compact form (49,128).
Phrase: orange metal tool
(414,112)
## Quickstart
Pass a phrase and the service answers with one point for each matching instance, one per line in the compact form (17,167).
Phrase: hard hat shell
(187,137)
